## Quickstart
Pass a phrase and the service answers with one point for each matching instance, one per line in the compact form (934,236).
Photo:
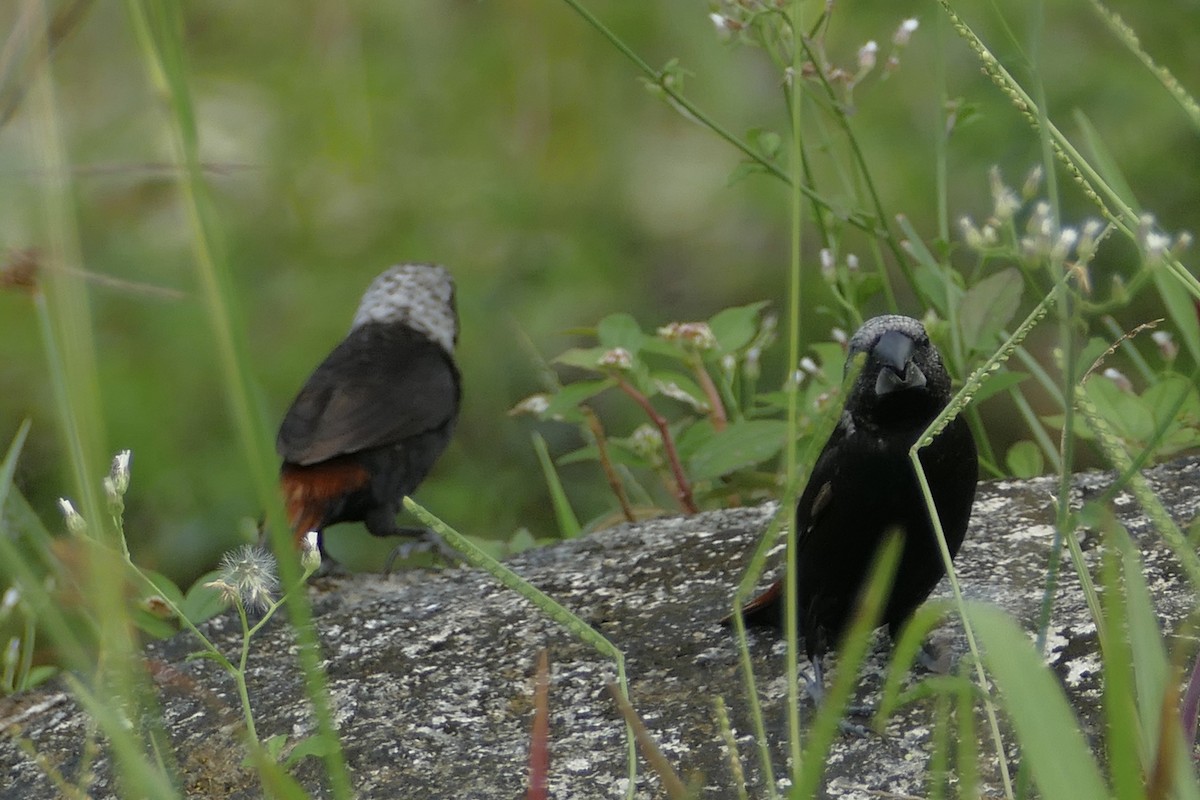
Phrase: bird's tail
(310,493)
(766,610)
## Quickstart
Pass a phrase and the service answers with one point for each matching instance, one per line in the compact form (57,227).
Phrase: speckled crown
(865,337)
(420,296)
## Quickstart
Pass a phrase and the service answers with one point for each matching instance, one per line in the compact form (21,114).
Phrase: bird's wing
(818,492)
(381,385)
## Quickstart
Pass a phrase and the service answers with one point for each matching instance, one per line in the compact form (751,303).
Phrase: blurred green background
(511,142)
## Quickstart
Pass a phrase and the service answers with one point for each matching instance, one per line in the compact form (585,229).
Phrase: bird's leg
(423,540)
(816,690)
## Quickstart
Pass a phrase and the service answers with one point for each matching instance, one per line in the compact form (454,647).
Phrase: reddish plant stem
(683,489)
(716,407)
(539,737)
(610,472)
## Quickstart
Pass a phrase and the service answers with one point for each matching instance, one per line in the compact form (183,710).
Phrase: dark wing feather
(817,496)
(381,385)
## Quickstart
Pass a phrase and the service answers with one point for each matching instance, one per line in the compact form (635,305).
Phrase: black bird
(863,486)
(375,415)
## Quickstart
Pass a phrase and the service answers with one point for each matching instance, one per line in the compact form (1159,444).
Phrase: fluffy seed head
(420,296)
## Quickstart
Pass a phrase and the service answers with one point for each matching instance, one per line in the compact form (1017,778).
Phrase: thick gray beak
(894,352)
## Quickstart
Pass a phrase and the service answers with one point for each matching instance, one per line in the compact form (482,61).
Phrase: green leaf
(1162,397)
(766,141)
(274,745)
(930,276)
(1050,736)
(987,307)
(682,388)
(998,382)
(568,523)
(202,602)
(745,168)
(564,404)
(583,357)
(314,745)
(1180,308)
(165,586)
(520,541)
(1024,459)
(1124,411)
(620,330)
(734,328)
(831,358)
(742,444)
(864,286)
(619,453)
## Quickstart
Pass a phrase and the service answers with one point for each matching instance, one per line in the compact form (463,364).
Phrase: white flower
(248,575)
(904,33)
(310,552)
(866,57)
(1118,377)
(618,357)
(75,523)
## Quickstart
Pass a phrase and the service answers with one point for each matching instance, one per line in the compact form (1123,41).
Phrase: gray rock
(430,674)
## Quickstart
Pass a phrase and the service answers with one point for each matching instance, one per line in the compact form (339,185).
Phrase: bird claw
(425,541)
(854,729)
(815,686)
(936,664)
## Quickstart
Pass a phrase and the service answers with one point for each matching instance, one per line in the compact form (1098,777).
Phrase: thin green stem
(791,604)
(239,676)
(660,80)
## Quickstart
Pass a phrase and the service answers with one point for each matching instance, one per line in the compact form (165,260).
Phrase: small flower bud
(828,268)
(750,363)
(1166,345)
(1118,377)
(646,441)
(676,392)
(1062,247)
(721,23)
(904,33)
(535,404)
(1033,182)
(694,334)
(12,596)
(971,235)
(1004,200)
(75,522)
(120,472)
(866,58)
(310,552)
(1182,242)
(617,358)
(1087,240)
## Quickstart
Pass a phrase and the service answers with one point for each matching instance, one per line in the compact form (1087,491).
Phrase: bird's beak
(897,371)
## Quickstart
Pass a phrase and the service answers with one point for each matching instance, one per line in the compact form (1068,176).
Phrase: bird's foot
(815,686)
(424,540)
(937,663)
